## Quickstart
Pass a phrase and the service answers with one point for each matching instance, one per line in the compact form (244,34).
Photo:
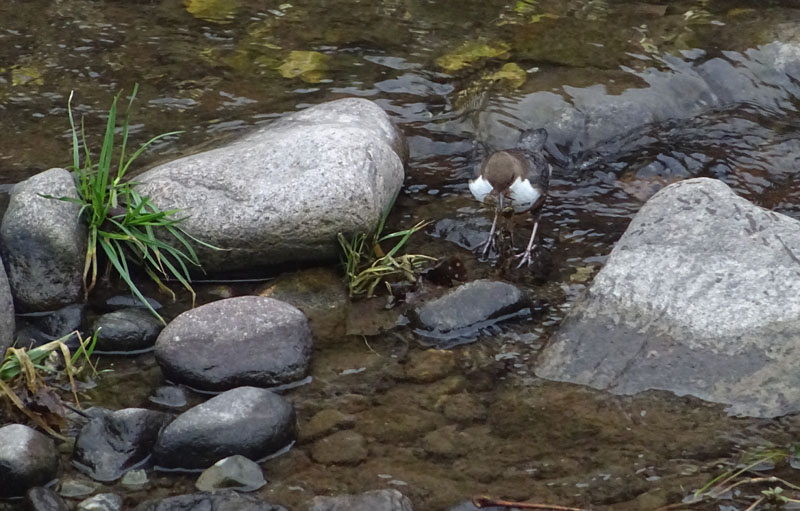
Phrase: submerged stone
(463,312)
(375,500)
(700,296)
(219,501)
(232,473)
(247,340)
(131,330)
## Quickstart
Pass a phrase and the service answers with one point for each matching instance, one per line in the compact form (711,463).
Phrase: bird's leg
(526,256)
(493,231)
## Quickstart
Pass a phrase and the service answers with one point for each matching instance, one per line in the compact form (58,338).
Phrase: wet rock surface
(169,396)
(464,311)
(39,328)
(220,501)
(44,499)
(232,473)
(113,442)
(101,502)
(293,186)
(129,330)
(700,296)
(376,500)
(248,421)
(43,243)
(27,459)
(7,322)
(248,340)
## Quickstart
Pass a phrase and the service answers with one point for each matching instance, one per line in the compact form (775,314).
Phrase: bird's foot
(490,244)
(525,258)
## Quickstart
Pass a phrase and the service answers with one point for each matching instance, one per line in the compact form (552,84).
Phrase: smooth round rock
(130,330)
(232,473)
(248,340)
(27,459)
(249,421)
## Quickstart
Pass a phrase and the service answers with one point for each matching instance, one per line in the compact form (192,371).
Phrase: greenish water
(446,71)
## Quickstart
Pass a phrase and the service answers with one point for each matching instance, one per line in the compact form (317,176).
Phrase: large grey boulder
(247,340)
(44,243)
(700,296)
(7,322)
(284,192)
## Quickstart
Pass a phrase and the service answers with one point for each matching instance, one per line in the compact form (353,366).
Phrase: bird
(520,175)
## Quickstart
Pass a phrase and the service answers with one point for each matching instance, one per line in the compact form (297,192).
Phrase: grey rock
(247,340)
(7,322)
(700,296)
(44,242)
(220,501)
(38,328)
(130,330)
(134,480)
(101,502)
(283,193)
(248,421)
(117,302)
(376,500)
(114,442)
(231,473)
(467,309)
(75,488)
(169,396)
(44,499)
(27,459)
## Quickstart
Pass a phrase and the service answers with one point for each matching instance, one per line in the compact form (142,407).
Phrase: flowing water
(635,96)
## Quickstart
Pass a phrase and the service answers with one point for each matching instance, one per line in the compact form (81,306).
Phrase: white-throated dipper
(521,175)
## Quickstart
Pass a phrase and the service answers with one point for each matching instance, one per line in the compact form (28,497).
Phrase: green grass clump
(367,265)
(124,226)
(23,373)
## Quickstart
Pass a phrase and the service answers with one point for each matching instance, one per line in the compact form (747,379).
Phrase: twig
(755,504)
(480,502)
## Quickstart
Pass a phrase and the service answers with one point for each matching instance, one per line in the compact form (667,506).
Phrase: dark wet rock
(232,473)
(375,500)
(44,499)
(220,501)
(341,448)
(324,423)
(27,459)
(127,301)
(101,502)
(7,322)
(282,193)
(700,296)
(114,442)
(322,296)
(130,330)
(429,366)
(134,480)
(248,340)
(464,311)
(169,396)
(43,242)
(248,421)
(39,328)
(75,488)
(446,271)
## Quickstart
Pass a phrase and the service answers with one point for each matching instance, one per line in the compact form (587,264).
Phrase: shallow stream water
(635,95)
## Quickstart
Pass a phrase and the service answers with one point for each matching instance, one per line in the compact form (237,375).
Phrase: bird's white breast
(480,188)
(523,194)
